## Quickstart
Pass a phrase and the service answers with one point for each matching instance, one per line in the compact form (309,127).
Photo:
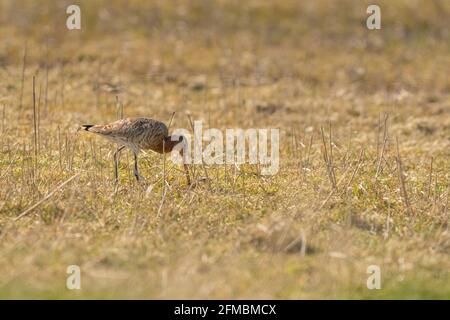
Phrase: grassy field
(376,103)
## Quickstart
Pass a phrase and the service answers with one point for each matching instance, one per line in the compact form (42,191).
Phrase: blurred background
(319,42)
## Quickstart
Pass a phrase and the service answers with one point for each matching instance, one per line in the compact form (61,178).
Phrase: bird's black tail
(87,126)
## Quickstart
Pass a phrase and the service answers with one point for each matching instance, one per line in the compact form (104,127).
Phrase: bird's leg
(136,170)
(116,163)
(186,168)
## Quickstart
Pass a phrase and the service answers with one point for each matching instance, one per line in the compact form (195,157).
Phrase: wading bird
(138,134)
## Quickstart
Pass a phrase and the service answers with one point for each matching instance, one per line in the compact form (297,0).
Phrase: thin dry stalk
(39,120)
(309,148)
(46,79)
(327,161)
(164,168)
(163,199)
(378,136)
(331,157)
(171,119)
(22,80)
(164,164)
(349,149)
(446,202)
(430,178)
(60,148)
(436,189)
(360,162)
(191,123)
(35,120)
(342,179)
(383,150)
(164,160)
(72,154)
(401,178)
(203,163)
(333,191)
(293,142)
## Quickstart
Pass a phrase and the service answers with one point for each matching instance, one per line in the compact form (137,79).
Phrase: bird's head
(174,138)
(172,141)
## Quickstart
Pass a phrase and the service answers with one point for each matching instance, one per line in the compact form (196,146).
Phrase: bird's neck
(167,145)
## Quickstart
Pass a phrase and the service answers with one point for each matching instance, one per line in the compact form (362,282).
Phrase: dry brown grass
(258,64)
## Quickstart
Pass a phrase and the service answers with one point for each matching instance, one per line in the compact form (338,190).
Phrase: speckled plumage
(134,133)
(137,134)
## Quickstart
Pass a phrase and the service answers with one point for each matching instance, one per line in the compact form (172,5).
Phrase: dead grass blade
(30,209)
(328,161)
